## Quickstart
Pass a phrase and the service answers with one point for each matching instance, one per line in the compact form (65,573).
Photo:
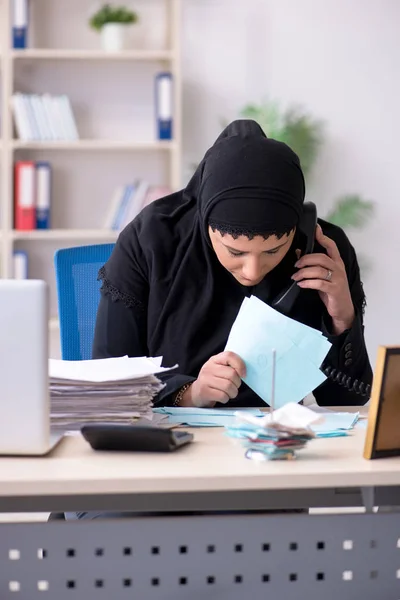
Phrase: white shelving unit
(94,145)
(61,54)
(37,64)
(100,235)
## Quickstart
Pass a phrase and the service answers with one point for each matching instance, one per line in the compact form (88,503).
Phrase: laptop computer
(24,388)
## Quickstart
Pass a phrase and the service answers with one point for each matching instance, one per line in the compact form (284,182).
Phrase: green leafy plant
(112,14)
(351,211)
(293,126)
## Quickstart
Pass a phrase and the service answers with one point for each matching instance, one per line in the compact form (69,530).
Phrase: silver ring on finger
(328,275)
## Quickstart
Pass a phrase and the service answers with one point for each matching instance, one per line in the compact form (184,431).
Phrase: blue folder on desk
(335,424)
(203,417)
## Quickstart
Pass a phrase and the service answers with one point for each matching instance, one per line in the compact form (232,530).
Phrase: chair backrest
(78,296)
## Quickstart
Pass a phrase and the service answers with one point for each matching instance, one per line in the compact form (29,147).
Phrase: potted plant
(112,23)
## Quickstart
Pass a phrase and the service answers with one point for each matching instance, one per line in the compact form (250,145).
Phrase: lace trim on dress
(363,299)
(236,231)
(116,294)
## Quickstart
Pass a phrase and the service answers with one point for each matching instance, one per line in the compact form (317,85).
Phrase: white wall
(338,58)
(341,60)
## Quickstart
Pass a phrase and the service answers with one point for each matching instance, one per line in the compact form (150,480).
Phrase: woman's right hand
(218,381)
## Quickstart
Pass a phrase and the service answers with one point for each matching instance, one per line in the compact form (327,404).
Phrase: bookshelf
(112,94)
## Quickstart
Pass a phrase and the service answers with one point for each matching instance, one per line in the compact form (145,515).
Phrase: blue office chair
(78,297)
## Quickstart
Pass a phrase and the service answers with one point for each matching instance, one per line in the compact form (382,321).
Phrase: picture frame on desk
(383,430)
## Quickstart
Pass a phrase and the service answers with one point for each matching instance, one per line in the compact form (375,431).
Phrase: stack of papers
(111,390)
(203,417)
(300,350)
(276,436)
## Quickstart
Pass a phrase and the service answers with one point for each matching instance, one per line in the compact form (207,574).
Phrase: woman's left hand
(327,274)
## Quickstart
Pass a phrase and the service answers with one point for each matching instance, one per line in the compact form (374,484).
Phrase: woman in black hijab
(180,270)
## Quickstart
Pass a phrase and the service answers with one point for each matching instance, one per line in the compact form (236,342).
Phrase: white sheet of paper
(105,369)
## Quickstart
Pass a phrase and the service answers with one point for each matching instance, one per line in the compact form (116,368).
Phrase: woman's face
(249,261)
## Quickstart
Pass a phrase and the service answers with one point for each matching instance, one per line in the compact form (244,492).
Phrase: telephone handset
(284,302)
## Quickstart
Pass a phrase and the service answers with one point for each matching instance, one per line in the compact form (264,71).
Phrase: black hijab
(163,265)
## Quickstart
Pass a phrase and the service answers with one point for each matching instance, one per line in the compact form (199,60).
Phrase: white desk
(209,474)
(171,557)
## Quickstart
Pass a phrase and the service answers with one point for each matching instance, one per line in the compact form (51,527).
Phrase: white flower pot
(113,37)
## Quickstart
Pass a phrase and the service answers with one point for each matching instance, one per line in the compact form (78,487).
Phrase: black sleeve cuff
(348,348)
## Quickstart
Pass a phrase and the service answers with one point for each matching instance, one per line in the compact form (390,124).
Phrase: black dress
(165,293)
(123,324)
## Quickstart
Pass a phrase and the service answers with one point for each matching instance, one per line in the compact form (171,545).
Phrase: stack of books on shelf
(43,118)
(129,200)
